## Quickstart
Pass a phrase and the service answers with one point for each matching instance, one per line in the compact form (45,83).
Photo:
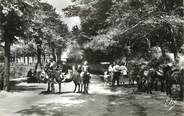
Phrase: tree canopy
(32,22)
(120,27)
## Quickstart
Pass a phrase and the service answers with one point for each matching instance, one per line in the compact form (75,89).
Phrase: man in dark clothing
(31,77)
(30,73)
(65,68)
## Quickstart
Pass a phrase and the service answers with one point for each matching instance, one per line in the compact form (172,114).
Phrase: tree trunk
(16,59)
(32,59)
(54,53)
(163,51)
(176,56)
(175,48)
(38,57)
(24,59)
(28,60)
(13,60)
(59,54)
(7,64)
(44,58)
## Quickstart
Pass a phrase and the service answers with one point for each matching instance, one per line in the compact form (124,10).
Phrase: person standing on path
(64,68)
(110,71)
(50,70)
(116,74)
(124,72)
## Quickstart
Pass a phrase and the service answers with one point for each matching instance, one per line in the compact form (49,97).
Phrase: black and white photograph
(91,57)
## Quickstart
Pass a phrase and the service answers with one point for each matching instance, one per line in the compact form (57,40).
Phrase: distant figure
(110,70)
(85,67)
(107,78)
(32,77)
(65,68)
(50,70)
(30,73)
(79,68)
(124,72)
(51,65)
(116,74)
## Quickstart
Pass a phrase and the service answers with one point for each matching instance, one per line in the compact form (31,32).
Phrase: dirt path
(27,100)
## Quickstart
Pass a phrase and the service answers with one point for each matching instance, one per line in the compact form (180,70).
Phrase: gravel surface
(30,100)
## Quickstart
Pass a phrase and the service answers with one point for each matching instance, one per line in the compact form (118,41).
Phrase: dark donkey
(85,81)
(148,79)
(72,76)
(157,76)
(57,76)
(174,77)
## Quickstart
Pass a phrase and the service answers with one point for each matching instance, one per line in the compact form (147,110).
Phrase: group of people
(117,72)
(66,69)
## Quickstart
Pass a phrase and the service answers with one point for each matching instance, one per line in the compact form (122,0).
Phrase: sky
(59,5)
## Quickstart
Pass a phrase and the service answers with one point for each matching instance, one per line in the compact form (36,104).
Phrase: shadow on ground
(25,88)
(43,109)
(48,93)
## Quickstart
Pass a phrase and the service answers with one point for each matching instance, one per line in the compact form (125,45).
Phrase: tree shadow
(25,88)
(14,87)
(48,93)
(51,109)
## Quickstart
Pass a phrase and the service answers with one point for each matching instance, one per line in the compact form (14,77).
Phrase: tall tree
(26,20)
(12,25)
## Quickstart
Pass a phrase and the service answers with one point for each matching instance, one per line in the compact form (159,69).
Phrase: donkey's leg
(84,88)
(52,87)
(48,89)
(59,87)
(130,80)
(169,89)
(75,86)
(79,87)
(150,88)
(87,87)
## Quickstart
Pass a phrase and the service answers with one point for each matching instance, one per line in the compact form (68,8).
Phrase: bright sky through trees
(59,5)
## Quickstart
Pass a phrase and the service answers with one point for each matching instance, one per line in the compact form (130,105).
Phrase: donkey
(85,81)
(149,79)
(71,76)
(157,76)
(174,77)
(57,76)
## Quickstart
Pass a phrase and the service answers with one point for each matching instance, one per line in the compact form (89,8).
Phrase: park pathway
(30,100)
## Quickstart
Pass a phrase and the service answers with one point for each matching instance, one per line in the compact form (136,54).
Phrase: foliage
(115,25)
(30,21)
(43,24)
